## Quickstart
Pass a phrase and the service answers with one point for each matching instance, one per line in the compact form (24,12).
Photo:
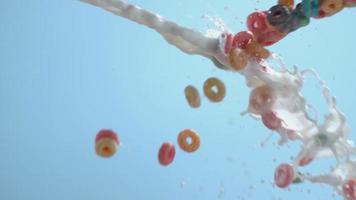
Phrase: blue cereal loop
(310,8)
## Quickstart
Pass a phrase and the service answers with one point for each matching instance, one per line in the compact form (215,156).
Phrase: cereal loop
(288,3)
(278,15)
(192,96)
(269,37)
(262,99)
(106,143)
(271,120)
(298,19)
(107,133)
(241,39)
(284,175)
(188,146)
(238,59)
(349,3)
(257,50)
(106,147)
(166,153)
(209,89)
(349,189)
(331,7)
(256,22)
(310,8)
(228,43)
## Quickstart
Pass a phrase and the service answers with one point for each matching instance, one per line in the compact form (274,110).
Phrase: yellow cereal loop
(106,147)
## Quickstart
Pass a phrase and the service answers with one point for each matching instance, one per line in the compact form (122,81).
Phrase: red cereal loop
(283,176)
(271,121)
(241,39)
(349,189)
(166,153)
(269,37)
(256,22)
(107,133)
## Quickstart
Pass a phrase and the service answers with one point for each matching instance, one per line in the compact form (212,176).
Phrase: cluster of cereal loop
(275,96)
(167,150)
(214,90)
(107,143)
(268,27)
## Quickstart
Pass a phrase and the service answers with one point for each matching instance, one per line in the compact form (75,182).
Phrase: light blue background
(68,69)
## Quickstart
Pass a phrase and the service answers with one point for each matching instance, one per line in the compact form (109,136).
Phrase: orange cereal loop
(192,96)
(238,59)
(191,146)
(262,98)
(257,50)
(288,3)
(331,7)
(214,89)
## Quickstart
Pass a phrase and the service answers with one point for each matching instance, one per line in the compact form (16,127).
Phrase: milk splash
(288,114)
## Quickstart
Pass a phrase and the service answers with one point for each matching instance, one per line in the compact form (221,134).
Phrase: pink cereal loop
(271,121)
(283,176)
(228,43)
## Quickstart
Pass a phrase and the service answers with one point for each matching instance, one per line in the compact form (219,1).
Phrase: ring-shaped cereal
(256,22)
(188,146)
(310,8)
(288,3)
(228,43)
(192,96)
(214,96)
(166,153)
(241,39)
(331,7)
(271,120)
(255,49)
(349,189)
(106,147)
(262,98)
(238,59)
(106,143)
(267,38)
(284,175)
(349,3)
